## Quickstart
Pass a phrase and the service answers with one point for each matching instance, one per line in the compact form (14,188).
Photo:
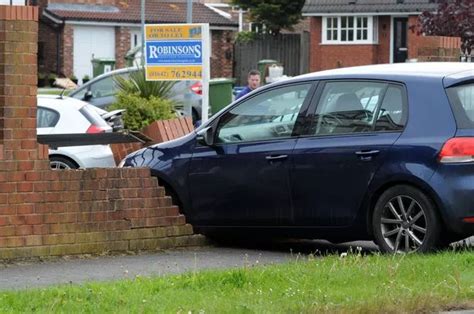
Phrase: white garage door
(92,42)
(14,2)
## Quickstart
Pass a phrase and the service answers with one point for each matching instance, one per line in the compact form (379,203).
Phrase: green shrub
(142,111)
(246,37)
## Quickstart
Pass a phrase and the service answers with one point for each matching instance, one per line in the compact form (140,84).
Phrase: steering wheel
(331,120)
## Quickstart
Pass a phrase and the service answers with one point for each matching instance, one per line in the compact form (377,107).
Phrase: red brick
(25,187)
(24,230)
(16,242)
(4,220)
(25,209)
(41,229)
(34,219)
(7,231)
(7,187)
(7,210)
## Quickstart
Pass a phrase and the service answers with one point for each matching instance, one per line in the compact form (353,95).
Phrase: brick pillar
(222,54)
(18,80)
(122,45)
(67,51)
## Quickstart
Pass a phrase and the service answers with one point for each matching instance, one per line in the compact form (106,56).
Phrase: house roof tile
(156,12)
(315,7)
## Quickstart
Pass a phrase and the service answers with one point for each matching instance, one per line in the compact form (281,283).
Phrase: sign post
(179,52)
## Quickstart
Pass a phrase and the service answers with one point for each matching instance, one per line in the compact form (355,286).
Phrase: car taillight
(197,88)
(469,220)
(95,129)
(457,149)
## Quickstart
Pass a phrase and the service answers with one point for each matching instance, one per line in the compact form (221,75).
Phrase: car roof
(392,71)
(54,102)
(107,74)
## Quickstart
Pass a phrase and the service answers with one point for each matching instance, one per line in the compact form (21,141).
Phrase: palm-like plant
(137,84)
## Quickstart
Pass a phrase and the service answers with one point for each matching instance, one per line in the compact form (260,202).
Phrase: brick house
(72,32)
(359,32)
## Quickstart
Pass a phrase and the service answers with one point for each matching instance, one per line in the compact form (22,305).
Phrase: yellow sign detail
(169,32)
(173,73)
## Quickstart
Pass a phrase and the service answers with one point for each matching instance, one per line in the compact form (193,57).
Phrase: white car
(57,115)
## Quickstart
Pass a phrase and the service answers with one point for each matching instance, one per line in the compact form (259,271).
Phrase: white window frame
(372,31)
(138,34)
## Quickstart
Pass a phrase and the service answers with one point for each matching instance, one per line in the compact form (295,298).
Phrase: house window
(350,30)
(135,38)
(331,30)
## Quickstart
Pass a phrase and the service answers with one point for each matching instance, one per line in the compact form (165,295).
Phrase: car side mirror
(88,95)
(205,136)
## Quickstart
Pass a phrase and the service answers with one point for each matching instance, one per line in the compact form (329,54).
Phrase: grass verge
(53,91)
(355,284)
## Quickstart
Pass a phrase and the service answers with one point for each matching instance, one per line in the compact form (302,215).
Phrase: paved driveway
(79,270)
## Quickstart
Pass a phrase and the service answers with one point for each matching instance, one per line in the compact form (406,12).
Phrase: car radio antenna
(61,96)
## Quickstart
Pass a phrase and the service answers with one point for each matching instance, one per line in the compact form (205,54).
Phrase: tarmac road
(75,270)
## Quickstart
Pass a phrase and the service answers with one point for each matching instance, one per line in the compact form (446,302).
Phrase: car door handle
(276,157)
(367,152)
(367,155)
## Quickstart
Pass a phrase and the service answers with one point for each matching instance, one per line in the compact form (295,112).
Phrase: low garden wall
(45,212)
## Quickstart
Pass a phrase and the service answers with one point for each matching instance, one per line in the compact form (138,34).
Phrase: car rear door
(243,179)
(46,120)
(353,127)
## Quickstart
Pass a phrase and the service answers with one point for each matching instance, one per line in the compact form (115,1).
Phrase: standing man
(253,80)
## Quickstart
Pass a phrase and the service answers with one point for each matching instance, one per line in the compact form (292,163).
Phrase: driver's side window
(269,115)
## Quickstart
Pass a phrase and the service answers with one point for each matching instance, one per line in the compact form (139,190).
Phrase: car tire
(405,220)
(62,163)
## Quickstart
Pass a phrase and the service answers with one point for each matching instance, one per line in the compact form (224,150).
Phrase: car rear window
(462,101)
(92,116)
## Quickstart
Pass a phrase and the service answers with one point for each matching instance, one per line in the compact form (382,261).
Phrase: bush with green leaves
(145,101)
(142,111)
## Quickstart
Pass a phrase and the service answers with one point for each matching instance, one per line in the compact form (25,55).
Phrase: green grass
(355,284)
(53,91)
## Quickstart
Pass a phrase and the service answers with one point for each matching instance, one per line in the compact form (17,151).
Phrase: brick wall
(383,47)
(432,48)
(222,53)
(122,45)
(44,212)
(102,2)
(325,56)
(48,39)
(423,48)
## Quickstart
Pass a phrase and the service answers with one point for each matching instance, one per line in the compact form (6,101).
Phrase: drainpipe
(143,31)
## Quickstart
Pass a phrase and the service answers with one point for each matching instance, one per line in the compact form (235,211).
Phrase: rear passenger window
(462,101)
(359,107)
(391,116)
(46,118)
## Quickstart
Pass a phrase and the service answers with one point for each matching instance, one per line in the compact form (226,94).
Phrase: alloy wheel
(58,165)
(403,224)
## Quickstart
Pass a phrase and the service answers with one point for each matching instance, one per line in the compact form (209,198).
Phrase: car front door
(243,178)
(353,127)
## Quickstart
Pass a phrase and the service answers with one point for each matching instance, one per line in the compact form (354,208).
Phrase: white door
(92,42)
(14,2)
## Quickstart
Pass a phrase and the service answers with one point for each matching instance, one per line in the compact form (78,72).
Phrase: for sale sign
(176,51)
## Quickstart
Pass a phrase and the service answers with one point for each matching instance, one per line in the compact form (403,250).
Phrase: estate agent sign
(178,52)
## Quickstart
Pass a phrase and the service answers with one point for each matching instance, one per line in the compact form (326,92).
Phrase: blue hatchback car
(382,152)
